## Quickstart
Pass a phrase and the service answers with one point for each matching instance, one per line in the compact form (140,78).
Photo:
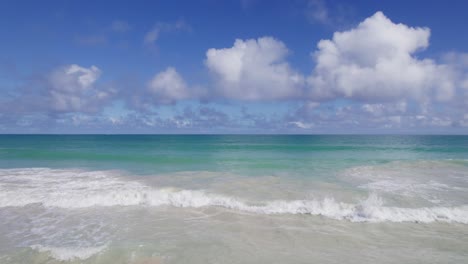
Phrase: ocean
(233,199)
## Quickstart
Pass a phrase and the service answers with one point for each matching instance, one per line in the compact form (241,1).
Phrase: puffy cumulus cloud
(375,61)
(254,70)
(71,88)
(168,87)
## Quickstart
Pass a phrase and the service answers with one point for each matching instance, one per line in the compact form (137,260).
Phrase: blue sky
(233,67)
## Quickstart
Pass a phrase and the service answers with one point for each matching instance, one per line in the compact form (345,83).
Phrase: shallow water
(233,199)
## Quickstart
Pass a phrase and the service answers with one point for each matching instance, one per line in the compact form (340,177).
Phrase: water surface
(233,199)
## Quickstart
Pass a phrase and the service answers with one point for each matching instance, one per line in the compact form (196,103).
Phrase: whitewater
(70,189)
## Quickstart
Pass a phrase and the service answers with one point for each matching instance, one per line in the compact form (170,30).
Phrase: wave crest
(69,253)
(83,189)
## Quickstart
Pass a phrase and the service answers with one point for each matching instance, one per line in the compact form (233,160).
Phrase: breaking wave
(84,189)
(69,253)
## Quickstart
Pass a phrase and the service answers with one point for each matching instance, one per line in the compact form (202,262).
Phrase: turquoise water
(251,154)
(233,198)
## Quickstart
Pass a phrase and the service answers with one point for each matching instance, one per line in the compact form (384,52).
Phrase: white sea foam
(69,253)
(439,182)
(406,187)
(84,189)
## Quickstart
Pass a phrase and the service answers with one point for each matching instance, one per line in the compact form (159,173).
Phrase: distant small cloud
(120,26)
(92,40)
(302,125)
(153,35)
(317,11)
(337,16)
(103,35)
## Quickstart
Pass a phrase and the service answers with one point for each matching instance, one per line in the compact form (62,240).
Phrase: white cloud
(71,87)
(254,70)
(120,26)
(168,87)
(459,62)
(74,77)
(330,15)
(375,61)
(317,11)
(153,35)
(302,125)
(380,109)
